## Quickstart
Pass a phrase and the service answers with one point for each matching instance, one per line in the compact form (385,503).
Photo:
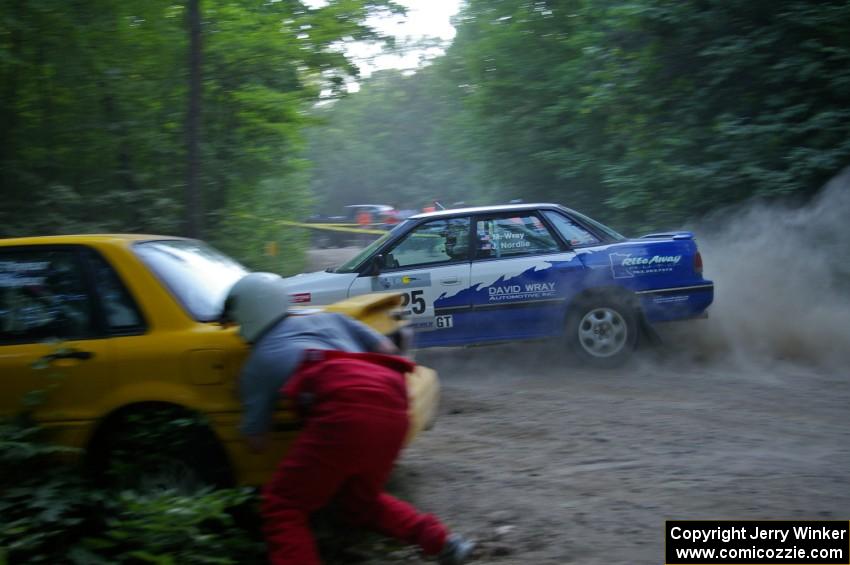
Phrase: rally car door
(52,353)
(522,275)
(430,266)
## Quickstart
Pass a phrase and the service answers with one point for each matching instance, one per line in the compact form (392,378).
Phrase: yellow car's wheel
(159,446)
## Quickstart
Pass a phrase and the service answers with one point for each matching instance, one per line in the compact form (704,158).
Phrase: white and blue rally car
(497,273)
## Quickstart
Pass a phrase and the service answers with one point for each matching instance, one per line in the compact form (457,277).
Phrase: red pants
(353,434)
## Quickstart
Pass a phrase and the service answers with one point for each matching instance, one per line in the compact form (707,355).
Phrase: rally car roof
(486,209)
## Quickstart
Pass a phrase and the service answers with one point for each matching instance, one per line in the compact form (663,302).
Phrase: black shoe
(456,551)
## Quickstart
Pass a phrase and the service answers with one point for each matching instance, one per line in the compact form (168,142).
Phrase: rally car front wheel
(602,332)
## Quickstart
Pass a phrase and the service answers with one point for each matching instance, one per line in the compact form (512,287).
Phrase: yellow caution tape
(329,227)
(347,228)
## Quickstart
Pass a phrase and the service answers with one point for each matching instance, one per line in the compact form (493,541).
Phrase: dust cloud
(782,283)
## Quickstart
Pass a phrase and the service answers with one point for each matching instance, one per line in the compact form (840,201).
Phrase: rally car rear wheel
(602,332)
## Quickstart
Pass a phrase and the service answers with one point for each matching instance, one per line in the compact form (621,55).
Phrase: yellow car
(98,333)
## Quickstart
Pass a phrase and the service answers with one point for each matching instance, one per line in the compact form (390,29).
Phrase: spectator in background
(364,218)
(364,222)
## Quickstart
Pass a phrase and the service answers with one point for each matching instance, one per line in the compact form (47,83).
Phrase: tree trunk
(9,119)
(194,212)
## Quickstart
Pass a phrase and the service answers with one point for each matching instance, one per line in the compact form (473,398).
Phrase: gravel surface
(585,466)
(545,462)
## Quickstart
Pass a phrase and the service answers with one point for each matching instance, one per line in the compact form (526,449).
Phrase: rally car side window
(434,242)
(43,296)
(120,313)
(513,236)
(573,233)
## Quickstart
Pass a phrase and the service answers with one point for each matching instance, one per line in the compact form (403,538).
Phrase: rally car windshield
(352,264)
(197,275)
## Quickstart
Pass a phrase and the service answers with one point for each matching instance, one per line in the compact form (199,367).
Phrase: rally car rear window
(608,231)
(197,275)
(570,230)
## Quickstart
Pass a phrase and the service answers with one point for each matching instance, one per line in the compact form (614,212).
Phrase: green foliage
(20,452)
(169,528)
(254,228)
(151,446)
(50,514)
(410,146)
(43,506)
(94,103)
(642,113)
(650,112)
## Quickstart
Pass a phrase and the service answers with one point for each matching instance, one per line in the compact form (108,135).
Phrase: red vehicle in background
(381,215)
(355,217)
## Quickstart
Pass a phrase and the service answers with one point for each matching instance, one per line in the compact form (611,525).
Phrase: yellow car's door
(51,379)
(52,354)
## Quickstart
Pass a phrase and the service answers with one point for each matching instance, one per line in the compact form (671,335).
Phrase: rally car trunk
(671,285)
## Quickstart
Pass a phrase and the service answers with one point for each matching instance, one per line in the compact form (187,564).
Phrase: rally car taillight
(698,263)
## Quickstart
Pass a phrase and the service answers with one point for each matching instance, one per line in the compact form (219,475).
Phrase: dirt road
(586,466)
(548,463)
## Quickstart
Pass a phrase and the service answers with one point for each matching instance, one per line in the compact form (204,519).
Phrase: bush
(168,527)
(44,506)
(49,513)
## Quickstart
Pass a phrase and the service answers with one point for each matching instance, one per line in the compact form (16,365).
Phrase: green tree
(95,103)
(650,112)
(398,141)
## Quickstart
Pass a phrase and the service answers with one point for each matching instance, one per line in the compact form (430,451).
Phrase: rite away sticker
(625,266)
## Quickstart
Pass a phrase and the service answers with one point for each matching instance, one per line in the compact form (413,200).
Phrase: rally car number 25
(497,273)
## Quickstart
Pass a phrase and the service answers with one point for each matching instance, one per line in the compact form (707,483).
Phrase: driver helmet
(457,242)
(256,302)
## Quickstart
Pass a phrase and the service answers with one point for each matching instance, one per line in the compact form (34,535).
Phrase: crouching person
(348,384)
